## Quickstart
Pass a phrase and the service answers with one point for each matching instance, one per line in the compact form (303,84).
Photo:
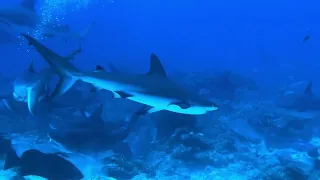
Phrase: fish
(306,38)
(30,88)
(46,165)
(153,89)
(302,102)
(23,18)
(22,15)
(65,33)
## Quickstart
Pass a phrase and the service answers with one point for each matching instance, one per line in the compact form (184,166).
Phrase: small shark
(153,89)
(23,14)
(64,32)
(23,18)
(30,88)
(306,101)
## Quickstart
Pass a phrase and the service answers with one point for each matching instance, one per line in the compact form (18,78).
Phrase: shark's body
(23,14)
(305,101)
(30,88)
(153,89)
(23,18)
(64,32)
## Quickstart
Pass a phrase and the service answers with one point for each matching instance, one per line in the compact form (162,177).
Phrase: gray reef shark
(23,18)
(305,101)
(153,89)
(30,88)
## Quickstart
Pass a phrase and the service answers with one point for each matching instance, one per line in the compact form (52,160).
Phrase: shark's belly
(162,103)
(20,93)
(154,101)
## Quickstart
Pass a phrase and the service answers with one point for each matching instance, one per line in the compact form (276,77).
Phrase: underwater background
(258,61)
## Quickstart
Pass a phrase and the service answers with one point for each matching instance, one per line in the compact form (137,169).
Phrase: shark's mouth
(20,98)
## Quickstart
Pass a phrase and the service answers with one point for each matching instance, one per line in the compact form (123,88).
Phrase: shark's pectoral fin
(9,104)
(63,86)
(181,104)
(144,110)
(33,99)
(52,127)
(121,94)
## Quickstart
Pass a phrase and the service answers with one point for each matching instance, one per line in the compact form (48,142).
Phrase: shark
(31,88)
(23,17)
(305,101)
(153,89)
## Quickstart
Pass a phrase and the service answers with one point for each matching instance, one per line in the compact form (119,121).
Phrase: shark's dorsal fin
(156,66)
(99,68)
(29,4)
(31,67)
(308,90)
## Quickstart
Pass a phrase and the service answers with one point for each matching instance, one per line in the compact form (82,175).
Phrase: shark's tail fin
(59,64)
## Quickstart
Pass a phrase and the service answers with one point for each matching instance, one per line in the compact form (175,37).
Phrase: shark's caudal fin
(28,4)
(308,89)
(59,64)
(156,67)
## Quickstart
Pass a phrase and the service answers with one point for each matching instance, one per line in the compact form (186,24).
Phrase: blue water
(250,57)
